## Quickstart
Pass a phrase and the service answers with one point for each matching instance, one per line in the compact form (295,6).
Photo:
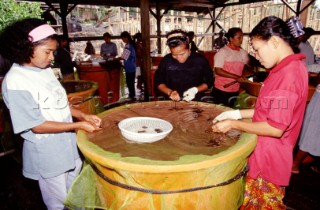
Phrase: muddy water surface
(191,134)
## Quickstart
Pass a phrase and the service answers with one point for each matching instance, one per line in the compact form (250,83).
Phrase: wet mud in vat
(191,134)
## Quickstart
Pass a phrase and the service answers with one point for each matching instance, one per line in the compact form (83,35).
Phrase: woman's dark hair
(126,34)
(106,35)
(89,48)
(14,41)
(180,38)
(232,32)
(274,26)
(137,36)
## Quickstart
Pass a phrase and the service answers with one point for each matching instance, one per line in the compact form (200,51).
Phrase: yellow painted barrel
(81,95)
(188,169)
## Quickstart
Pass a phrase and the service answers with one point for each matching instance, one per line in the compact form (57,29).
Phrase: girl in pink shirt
(229,62)
(277,116)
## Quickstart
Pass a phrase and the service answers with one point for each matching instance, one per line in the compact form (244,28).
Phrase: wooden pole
(158,17)
(146,62)
(64,13)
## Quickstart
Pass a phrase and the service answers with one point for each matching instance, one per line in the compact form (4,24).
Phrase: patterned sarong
(260,194)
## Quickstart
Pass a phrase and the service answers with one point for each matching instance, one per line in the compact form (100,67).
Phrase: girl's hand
(222,126)
(88,126)
(93,119)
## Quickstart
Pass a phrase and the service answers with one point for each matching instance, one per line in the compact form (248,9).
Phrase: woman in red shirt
(277,116)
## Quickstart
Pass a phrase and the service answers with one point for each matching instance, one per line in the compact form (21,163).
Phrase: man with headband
(182,74)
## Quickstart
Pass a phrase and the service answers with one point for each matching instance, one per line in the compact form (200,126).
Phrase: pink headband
(41,32)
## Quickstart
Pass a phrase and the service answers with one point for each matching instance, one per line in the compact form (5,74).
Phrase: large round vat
(192,168)
(82,95)
(107,75)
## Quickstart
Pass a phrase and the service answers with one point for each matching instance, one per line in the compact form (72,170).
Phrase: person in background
(193,47)
(63,60)
(305,46)
(309,136)
(138,47)
(182,74)
(309,141)
(108,49)
(39,109)
(89,50)
(129,58)
(277,116)
(229,63)
(220,41)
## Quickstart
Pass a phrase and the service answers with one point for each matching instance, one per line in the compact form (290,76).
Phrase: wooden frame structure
(64,7)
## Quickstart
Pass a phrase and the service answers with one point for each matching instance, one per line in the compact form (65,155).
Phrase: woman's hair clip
(176,40)
(295,26)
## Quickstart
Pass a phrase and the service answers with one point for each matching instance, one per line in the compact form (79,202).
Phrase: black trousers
(130,79)
(224,98)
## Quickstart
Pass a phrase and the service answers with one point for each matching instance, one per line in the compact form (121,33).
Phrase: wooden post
(158,17)
(146,63)
(64,13)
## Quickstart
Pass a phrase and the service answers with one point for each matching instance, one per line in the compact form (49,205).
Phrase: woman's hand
(174,95)
(232,114)
(240,79)
(223,126)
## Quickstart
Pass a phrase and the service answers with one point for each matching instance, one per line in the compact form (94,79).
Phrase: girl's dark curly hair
(274,26)
(14,41)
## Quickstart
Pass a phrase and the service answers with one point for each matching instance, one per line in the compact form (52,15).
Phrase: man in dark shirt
(182,74)
(63,60)
(220,41)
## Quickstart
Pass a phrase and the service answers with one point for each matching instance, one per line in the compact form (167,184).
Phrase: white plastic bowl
(144,129)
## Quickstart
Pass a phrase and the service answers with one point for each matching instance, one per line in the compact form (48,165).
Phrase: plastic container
(144,129)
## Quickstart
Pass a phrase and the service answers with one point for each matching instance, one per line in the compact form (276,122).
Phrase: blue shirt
(130,62)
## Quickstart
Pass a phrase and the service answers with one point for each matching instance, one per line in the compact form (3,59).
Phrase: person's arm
(58,127)
(258,128)
(114,50)
(172,94)
(81,116)
(223,73)
(101,50)
(247,113)
(88,123)
(203,87)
